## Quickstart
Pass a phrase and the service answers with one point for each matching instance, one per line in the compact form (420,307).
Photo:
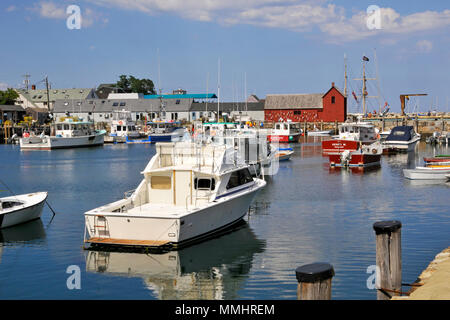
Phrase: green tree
(9,96)
(131,84)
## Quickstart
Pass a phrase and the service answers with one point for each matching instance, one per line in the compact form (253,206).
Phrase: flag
(365,58)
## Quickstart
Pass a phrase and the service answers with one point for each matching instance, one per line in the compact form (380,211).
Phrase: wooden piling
(388,258)
(314,281)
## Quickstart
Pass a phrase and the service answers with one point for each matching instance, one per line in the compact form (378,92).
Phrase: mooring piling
(388,258)
(314,281)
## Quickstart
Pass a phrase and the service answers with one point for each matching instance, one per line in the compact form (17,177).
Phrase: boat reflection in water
(30,232)
(23,233)
(215,269)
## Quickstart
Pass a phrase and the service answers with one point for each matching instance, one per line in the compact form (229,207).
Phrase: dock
(434,282)
(127,242)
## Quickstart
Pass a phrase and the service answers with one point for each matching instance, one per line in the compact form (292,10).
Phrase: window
(297,112)
(122,104)
(174,116)
(161,182)
(204,184)
(115,104)
(119,128)
(239,178)
(177,102)
(333,99)
(59,127)
(66,127)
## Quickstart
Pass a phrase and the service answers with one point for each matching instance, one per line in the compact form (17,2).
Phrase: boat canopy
(401,133)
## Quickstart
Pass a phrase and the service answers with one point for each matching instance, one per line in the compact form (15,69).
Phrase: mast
(48,94)
(245,97)
(378,80)
(218,91)
(207,89)
(364,95)
(345,75)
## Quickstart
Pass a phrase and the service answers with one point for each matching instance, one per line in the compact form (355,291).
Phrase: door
(183,188)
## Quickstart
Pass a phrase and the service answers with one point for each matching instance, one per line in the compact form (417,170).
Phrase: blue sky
(283,46)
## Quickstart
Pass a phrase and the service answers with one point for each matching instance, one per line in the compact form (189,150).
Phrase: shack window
(161,182)
(59,127)
(333,99)
(204,184)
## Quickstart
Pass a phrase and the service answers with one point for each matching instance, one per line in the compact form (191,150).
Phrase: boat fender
(374,151)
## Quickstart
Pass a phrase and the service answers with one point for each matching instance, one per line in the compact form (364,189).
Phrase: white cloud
(424,46)
(294,15)
(11,8)
(4,86)
(51,10)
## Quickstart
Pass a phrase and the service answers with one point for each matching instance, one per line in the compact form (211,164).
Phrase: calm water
(307,213)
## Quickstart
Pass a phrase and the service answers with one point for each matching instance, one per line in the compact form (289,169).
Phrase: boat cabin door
(182,188)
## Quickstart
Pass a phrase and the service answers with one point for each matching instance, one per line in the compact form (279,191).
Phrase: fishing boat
(285,132)
(165,131)
(401,138)
(123,126)
(319,133)
(427,173)
(18,209)
(69,133)
(189,192)
(356,145)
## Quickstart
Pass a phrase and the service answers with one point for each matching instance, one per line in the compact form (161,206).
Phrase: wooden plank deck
(127,242)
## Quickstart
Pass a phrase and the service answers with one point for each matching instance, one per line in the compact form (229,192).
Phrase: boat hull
(400,146)
(284,138)
(164,231)
(50,143)
(426,174)
(356,160)
(30,211)
(337,146)
(177,135)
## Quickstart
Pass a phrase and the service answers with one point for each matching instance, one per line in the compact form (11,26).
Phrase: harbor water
(307,213)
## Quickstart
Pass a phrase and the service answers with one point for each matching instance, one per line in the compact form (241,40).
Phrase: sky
(244,46)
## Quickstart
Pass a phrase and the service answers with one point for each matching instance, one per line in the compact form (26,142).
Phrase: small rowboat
(284,154)
(21,208)
(437,159)
(427,173)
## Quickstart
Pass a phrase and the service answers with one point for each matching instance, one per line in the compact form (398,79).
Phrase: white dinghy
(189,191)
(21,208)
(427,173)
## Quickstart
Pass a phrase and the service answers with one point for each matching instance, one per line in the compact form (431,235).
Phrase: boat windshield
(9,204)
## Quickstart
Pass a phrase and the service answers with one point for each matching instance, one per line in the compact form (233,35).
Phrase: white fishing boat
(319,133)
(448,177)
(122,125)
(21,208)
(427,173)
(188,192)
(401,138)
(69,133)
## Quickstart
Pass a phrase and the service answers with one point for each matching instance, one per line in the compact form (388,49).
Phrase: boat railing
(128,194)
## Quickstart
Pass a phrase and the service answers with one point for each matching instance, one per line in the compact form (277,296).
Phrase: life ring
(374,151)
(26,135)
(120,122)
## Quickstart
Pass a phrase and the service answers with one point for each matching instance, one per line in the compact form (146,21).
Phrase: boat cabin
(122,125)
(364,132)
(73,128)
(162,127)
(287,128)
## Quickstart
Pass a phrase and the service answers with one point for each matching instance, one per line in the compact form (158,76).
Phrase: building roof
(109,105)
(294,101)
(7,107)
(228,106)
(181,96)
(40,95)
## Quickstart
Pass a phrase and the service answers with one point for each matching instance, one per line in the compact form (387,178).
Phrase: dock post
(336,128)
(314,281)
(388,258)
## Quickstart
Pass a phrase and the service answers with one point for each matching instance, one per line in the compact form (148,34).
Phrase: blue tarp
(400,133)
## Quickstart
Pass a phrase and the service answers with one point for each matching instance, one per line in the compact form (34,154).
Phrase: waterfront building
(328,107)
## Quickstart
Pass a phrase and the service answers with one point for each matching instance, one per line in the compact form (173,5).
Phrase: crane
(406,96)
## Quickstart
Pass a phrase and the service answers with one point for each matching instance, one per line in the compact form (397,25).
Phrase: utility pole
(345,75)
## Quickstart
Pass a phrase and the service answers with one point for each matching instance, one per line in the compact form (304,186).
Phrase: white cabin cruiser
(188,192)
(401,138)
(69,133)
(21,208)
